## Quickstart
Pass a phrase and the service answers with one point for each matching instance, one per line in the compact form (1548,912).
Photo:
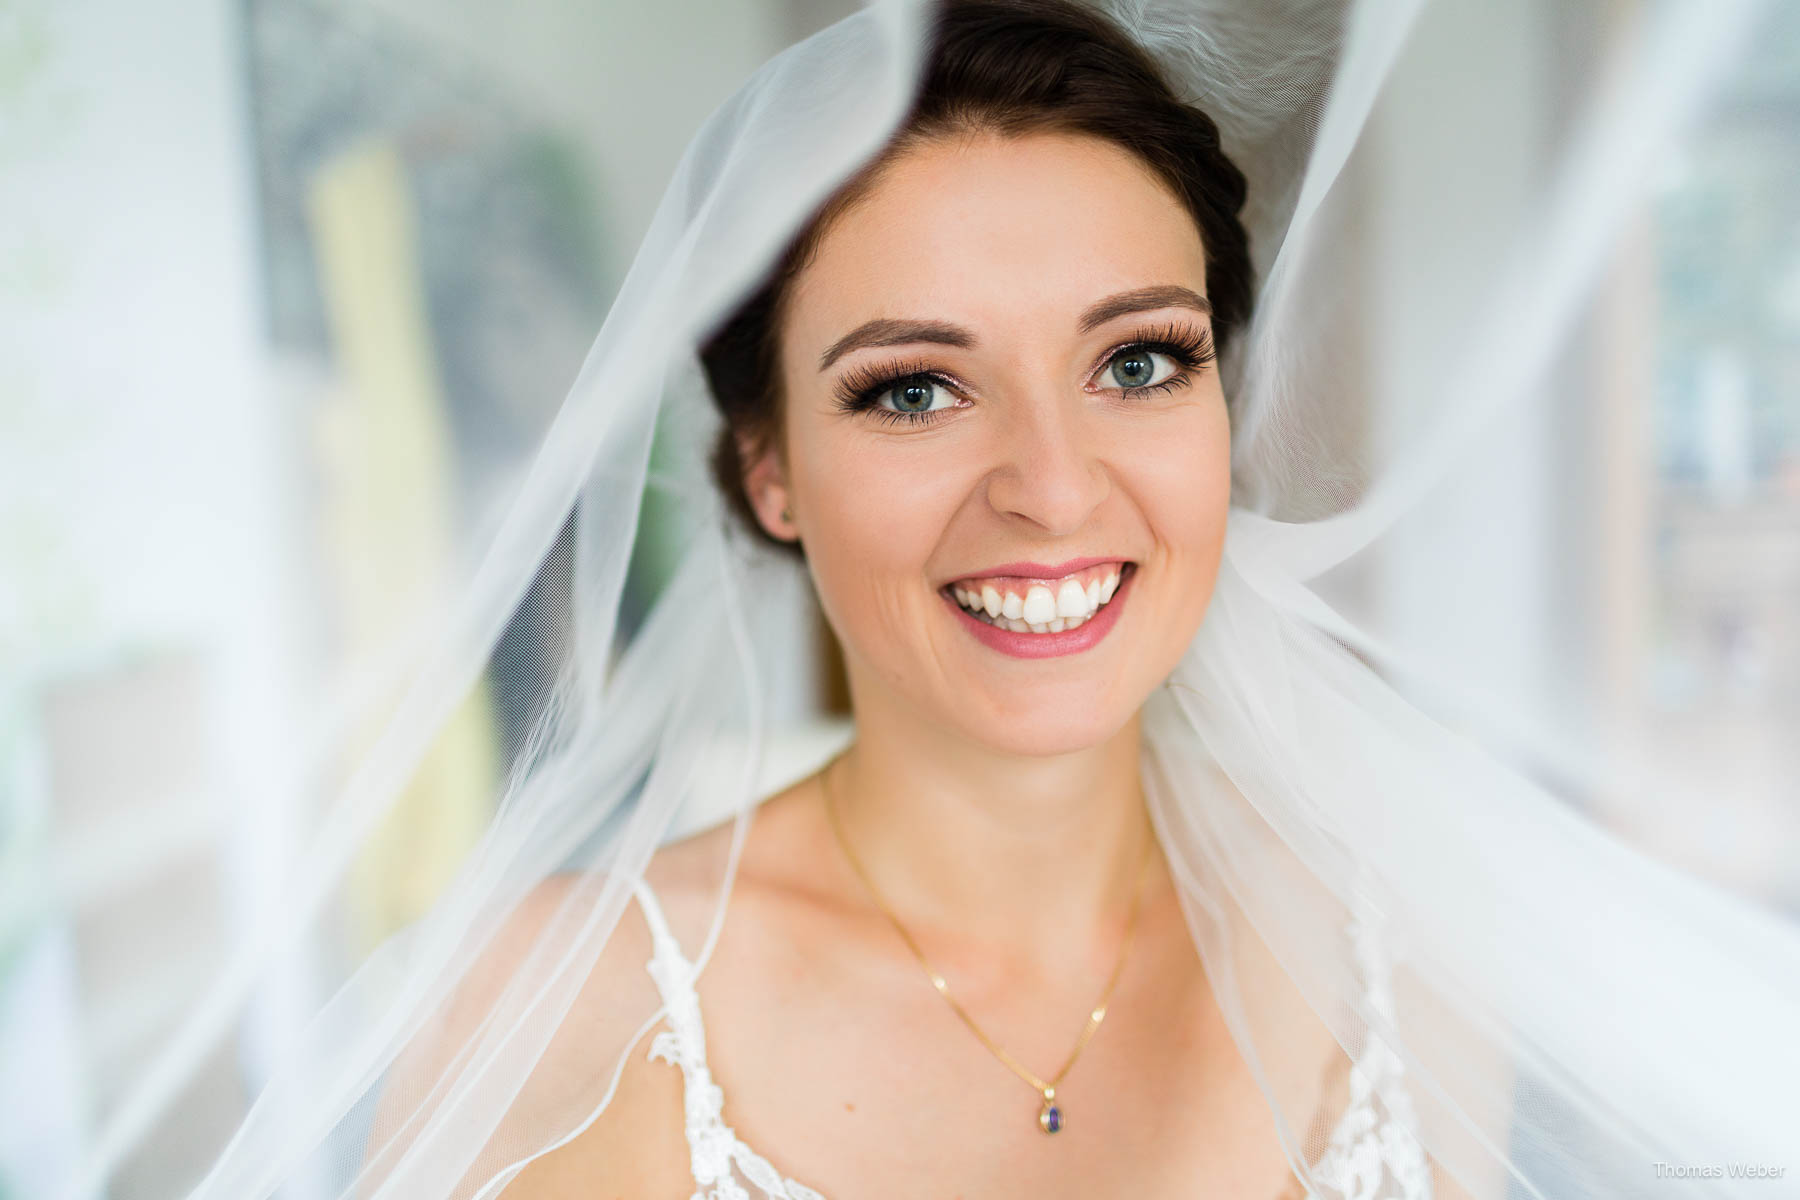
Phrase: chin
(1043,732)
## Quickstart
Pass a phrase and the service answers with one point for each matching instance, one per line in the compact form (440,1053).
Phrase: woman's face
(999,396)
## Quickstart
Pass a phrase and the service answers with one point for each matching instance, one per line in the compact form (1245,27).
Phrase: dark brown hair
(1010,67)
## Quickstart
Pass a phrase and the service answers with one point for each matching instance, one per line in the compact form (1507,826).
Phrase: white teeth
(1040,610)
(1071,599)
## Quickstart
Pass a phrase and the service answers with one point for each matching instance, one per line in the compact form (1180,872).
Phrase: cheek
(1187,456)
(877,509)
(1181,481)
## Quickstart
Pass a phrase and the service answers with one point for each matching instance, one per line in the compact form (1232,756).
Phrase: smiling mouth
(1040,606)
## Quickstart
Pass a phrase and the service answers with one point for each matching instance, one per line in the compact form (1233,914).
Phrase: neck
(953,833)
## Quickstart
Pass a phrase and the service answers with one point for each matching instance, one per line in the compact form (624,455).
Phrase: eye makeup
(863,389)
(1190,347)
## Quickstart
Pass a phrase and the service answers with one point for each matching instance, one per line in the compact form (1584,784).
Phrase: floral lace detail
(1373,1153)
(716,1153)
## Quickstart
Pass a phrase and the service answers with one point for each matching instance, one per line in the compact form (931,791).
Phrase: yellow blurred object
(389,467)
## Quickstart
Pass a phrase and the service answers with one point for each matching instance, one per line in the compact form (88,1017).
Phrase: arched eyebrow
(888,331)
(1143,300)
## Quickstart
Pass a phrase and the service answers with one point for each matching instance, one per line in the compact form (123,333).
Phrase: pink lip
(1048,645)
(1032,570)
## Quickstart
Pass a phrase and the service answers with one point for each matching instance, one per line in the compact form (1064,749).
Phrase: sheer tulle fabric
(1341,802)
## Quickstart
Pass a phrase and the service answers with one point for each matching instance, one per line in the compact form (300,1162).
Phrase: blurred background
(288,288)
(281,282)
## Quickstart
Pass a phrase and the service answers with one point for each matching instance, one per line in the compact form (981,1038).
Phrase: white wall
(1482,622)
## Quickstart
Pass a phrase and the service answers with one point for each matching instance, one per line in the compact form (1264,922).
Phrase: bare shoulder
(638,1146)
(595,1116)
(781,848)
(549,976)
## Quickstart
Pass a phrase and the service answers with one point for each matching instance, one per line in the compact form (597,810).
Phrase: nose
(1049,471)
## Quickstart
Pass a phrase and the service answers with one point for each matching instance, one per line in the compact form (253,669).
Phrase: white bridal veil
(1388,774)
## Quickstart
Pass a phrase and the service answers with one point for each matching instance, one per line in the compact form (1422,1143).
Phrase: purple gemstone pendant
(1050,1116)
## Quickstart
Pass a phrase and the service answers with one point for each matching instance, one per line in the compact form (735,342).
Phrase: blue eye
(1139,367)
(911,392)
(916,394)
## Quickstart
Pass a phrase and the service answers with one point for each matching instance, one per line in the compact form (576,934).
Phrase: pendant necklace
(1050,1114)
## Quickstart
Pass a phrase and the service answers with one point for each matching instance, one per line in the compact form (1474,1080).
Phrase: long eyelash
(861,389)
(1187,345)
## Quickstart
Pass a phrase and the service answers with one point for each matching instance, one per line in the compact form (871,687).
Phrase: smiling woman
(980,392)
(1072,424)
(991,371)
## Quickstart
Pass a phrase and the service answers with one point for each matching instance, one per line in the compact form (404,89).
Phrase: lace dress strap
(1374,1151)
(720,1161)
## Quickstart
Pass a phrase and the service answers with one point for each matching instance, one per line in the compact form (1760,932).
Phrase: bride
(981,397)
(1149,869)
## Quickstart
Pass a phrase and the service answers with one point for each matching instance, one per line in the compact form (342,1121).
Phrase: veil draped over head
(1383,774)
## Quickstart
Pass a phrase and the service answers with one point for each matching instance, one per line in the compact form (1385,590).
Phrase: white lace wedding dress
(1371,1153)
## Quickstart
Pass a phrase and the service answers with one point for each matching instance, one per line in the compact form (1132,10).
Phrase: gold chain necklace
(1050,1117)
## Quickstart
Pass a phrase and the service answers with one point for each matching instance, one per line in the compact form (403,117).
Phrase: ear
(766,485)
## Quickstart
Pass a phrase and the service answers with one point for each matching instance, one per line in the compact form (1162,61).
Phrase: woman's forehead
(1031,228)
